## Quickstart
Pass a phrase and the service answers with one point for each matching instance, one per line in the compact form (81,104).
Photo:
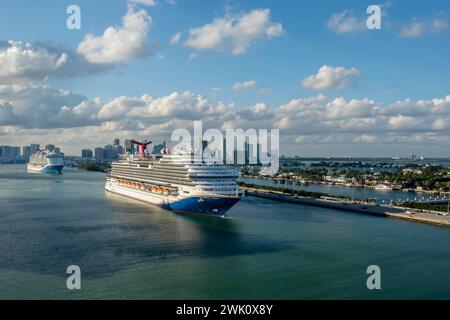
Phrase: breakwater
(407,214)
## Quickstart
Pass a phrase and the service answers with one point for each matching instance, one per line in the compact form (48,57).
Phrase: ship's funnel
(142,148)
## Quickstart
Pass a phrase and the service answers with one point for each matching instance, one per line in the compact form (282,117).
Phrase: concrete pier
(406,214)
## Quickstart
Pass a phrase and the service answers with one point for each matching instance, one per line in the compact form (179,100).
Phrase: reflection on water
(128,249)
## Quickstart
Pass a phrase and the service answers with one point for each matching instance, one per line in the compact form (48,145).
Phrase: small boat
(383,187)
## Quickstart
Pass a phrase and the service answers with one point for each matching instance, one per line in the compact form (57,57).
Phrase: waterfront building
(99,154)
(26,152)
(86,153)
(9,152)
(50,147)
(129,146)
(158,148)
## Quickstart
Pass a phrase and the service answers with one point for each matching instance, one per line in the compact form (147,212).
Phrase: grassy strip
(425,206)
(302,193)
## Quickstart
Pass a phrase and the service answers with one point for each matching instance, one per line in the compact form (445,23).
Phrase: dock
(386,211)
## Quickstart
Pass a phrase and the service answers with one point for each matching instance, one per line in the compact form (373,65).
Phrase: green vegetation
(100,167)
(301,193)
(425,206)
(429,177)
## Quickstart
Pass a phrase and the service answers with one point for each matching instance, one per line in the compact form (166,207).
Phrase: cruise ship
(175,182)
(44,161)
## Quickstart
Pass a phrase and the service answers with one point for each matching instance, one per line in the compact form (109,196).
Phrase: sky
(312,69)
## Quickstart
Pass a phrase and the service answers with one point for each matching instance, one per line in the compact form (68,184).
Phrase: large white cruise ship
(44,161)
(176,182)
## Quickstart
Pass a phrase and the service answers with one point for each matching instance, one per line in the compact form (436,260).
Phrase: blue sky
(406,59)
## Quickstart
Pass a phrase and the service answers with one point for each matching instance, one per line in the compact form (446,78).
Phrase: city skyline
(332,86)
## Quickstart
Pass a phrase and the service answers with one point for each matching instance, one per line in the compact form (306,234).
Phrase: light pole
(448,207)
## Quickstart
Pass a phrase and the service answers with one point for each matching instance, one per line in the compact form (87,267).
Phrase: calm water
(350,192)
(266,250)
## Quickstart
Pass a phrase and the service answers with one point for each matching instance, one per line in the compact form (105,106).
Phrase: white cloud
(149,3)
(22,63)
(331,78)
(119,44)
(413,30)
(420,28)
(240,86)
(27,111)
(192,56)
(234,33)
(175,38)
(366,138)
(346,22)
(438,25)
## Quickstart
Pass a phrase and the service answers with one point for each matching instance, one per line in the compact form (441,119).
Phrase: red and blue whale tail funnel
(142,148)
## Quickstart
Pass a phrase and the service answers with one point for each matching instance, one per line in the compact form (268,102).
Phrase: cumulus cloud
(175,38)
(417,28)
(346,22)
(119,44)
(362,118)
(331,78)
(234,33)
(365,138)
(241,86)
(22,63)
(149,3)
(27,110)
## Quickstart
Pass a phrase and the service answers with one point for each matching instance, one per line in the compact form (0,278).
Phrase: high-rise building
(57,150)
(116,142)
(16,152)
(99,154)
(9,152)
(50,147)
(26,152)
(112,152)
(86,153)
(34,147)
(224,156)
(129,146)
(158,148)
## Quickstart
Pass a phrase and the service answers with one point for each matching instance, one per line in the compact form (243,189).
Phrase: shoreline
(304,182)
(399,213)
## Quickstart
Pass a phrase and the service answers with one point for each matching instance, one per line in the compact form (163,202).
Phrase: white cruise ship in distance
(44,161)
(176,183)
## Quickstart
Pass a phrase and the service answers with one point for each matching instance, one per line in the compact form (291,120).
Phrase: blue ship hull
(213,206)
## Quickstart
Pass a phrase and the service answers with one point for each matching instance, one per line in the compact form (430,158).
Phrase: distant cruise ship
(44,161)
(176,182)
